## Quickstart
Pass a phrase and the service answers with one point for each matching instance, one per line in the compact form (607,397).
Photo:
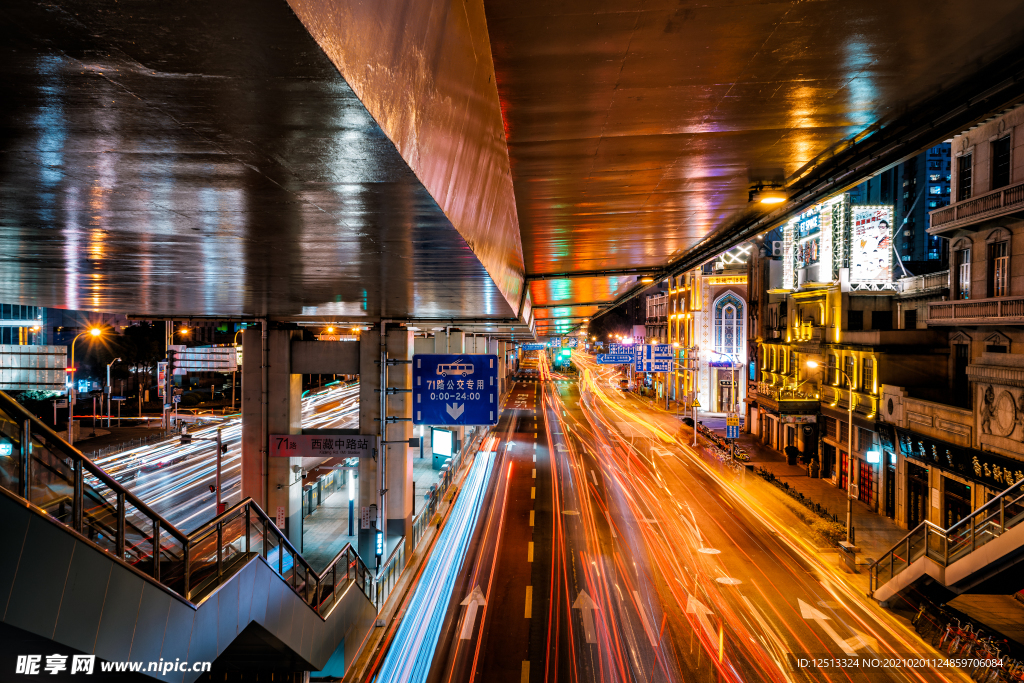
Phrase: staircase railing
(946,546)
(39,467)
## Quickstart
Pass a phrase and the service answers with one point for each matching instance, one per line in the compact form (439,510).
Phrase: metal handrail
(245,511)
(968,529)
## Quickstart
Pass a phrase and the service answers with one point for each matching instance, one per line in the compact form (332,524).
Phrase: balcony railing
(989,205)
(924,283)
(1008,309)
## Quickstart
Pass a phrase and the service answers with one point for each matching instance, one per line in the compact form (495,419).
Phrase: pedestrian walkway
(325,530)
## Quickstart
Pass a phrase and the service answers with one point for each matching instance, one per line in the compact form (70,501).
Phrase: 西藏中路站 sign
(321,446)
(455,390)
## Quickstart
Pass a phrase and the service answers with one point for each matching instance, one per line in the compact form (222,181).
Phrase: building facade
(958,450)
(704,316)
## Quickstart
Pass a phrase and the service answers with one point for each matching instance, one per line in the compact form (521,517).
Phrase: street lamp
(849,455)
(108,395)
(93,332)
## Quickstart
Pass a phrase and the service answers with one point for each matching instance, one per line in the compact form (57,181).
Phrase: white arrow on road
(695,606)
(472,602)
(848,646)
(455,410)
(586,605)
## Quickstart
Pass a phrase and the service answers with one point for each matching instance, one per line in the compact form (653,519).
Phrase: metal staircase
(90,566)
(978,554)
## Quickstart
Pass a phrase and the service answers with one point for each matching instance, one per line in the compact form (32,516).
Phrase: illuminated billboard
(871,244)
(835,235)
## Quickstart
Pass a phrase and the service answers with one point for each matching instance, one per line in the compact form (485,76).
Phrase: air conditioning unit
(777,248)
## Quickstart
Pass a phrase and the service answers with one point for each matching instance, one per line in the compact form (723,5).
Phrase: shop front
(946,482)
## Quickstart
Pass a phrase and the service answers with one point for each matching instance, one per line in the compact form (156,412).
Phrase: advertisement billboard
(871,244)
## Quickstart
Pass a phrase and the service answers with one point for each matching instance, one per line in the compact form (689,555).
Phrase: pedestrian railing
(57,480)
(945,546)
(389,574)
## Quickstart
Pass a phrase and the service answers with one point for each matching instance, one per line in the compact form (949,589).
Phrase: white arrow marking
(587,607)
(847,646)
(472,601)
(455,410)
(695,606)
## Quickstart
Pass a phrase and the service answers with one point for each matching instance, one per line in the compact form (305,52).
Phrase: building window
(849,367)
(999,265)
(729,326)
(832,370)
(865,437)
(867,375)
(910,319)
(881,320)
(963,177)
(855,320)
(830,427)
(1001,162)
(963,269)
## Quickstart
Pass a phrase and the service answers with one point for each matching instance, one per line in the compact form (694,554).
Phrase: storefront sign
(800,419)
(320,446)
(995,471)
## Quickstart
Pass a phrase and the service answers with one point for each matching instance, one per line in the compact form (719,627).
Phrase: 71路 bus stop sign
(449,390)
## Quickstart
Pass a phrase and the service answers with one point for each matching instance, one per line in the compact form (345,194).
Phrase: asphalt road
(651,561)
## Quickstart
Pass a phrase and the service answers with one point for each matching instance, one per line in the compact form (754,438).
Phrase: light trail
(411,651)
(174,479)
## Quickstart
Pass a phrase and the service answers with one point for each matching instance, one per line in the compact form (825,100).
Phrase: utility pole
(849,465)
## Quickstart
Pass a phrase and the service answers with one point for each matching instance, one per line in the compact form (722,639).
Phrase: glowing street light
(93,332)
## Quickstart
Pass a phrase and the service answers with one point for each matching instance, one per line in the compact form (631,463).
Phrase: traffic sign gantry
(455,390)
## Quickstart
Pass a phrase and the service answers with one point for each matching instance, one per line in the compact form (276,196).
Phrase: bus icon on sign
(456,368)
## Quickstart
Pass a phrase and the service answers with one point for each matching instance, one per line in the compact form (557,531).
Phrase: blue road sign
(613,358)
(732,432)
(454,390)
(573,341)
(623,348)
(534,347)
(654,358)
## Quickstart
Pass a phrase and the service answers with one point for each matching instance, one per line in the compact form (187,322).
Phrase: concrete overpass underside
(438,161)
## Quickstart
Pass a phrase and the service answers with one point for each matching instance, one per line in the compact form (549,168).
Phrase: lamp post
(849,455)
(93,332)
(109,389)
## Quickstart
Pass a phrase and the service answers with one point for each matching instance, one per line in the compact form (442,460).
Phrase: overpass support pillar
(270,407)
(387,481)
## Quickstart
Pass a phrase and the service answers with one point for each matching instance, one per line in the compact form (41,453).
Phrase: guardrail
(59,481)
(945,546)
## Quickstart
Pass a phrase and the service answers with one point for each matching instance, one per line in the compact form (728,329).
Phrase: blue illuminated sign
(533,347)
(732,432)
(455,390)
(379,549)
(6,449)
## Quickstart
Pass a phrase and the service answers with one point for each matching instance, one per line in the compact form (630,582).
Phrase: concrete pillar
(272,482)
(369,411)
(399,463)
(440,342)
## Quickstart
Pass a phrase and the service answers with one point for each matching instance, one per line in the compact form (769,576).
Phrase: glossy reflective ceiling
(636,127)
(207,158)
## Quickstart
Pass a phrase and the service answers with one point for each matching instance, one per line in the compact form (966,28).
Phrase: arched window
(729,338)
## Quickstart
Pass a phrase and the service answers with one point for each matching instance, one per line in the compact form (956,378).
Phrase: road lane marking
(531,517)
(535,456)
(524,677)
(529,601)
(534,472)
(594,477)
(472,602)
(586,606)
(850,645)
(533,492)
(529,552)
